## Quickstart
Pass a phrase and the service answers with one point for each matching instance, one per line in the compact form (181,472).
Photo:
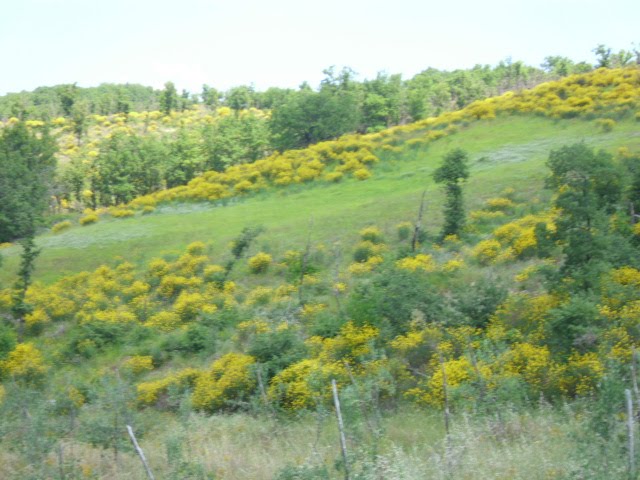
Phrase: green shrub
(606,124)
(363,252)
(404,230)
(277,350)
(7,340)
(389,299)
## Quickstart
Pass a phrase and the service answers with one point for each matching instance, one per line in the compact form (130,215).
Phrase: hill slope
(219,344)
(505,152)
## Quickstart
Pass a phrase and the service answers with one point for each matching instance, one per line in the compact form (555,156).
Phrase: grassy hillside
(505,152)
(219,343)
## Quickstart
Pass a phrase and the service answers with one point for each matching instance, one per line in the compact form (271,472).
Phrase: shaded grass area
(505,152)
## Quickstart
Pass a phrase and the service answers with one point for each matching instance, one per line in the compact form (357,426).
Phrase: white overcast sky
(225,43)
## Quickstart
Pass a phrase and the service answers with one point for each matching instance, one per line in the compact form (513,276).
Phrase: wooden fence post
(343,440)
(140,452)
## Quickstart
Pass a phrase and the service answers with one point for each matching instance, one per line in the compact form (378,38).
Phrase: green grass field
(505,152)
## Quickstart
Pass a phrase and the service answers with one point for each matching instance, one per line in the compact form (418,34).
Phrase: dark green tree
(186,158)
(168,98)
(383,103)
(239,98)
(589,188)
(603,55)
(309,117)
(27,165)
(210,96)
(128,166)
(235,139)
(558,65)
(20,307)
(79,115)
(68,96)
(452,173)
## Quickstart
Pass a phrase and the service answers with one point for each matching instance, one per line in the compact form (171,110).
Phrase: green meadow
(509,151)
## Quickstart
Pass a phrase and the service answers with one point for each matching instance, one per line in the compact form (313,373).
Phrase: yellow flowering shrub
(362,174)
(284,292)
(310,279)
(361,268)
(619,344)
(458,372)
(88,219)
(260,262)
(291,387)
(164,321)
(172,285)
(305,383)
(189,265)
(453,265)
(371,234)
(532,363)
(421,262)
(626,276)
(25,363)
(136,289)
(252,327)
(196,248)
(499,204)
(61,226)
(138,364)
(189,304)
(37,318)
(75,396)
(119,315)
(418,346)
(526,313)
(212,273)
(486,251)
(349,345)
(481,215)
(309,310)
(339,287)
(524,274)
(229,380)
(259,296)
(516,239)
(158,267)
(334,176)
(149,393)
(122,213)
(581,374)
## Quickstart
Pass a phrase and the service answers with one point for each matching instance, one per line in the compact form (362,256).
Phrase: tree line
(340,104)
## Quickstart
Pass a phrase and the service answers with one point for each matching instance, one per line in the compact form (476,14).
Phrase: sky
(225,43)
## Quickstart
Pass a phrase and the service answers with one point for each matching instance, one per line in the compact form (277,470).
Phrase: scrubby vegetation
(213,156)
(494,341)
